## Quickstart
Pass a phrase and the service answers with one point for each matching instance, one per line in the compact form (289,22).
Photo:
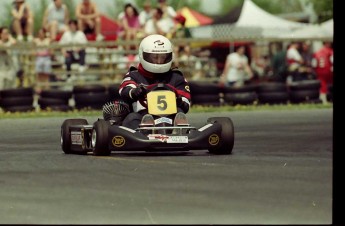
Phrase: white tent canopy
(253,23)
(318,31)
(253,16)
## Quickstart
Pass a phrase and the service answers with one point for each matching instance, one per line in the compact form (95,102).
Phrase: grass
(194,109)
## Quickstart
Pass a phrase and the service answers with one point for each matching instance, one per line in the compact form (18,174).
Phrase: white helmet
(156,54)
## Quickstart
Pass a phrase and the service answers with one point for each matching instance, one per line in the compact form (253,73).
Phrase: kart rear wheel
(66,136)
(227,136)
(99,138)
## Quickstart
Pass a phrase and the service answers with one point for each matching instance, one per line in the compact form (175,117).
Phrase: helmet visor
(157,58)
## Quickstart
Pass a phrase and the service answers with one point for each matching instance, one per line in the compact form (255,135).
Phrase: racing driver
(155,60)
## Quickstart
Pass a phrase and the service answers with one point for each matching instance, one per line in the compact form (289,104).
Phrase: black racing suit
(174,78)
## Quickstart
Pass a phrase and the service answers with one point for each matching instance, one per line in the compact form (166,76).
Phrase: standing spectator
(307,55)
(55,19)
(74,54)
(322,63)
(7,67)
(179,31)
(130,24)
(22,20)
(237,69)
(157,24)
(294,62)
(43,59)
(89,20)
(145,14)
(279,64)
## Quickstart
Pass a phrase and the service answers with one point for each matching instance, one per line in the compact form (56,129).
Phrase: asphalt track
(280,172)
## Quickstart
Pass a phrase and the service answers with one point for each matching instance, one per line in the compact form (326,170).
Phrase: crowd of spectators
(298,62)
(57,27)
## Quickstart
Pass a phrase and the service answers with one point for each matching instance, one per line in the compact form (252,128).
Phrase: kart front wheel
(66,136)
(226,142)
(99,138)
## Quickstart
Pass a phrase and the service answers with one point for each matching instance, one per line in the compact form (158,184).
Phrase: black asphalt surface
(280,172)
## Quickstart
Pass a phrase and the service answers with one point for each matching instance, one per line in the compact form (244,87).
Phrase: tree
(324,8)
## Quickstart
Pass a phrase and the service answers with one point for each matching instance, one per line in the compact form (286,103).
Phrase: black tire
(65,137)
(227,138)
(305,85)
(241,89)
(202,88)
(86,99)
(18,92)
(60,107)
(240,98)
(89,89)
(45,102)
(273,97)
(267,87)
(27,108)
(113,92)
(16,101)
(99,138)
(57,94)
(298,96)
(205,98)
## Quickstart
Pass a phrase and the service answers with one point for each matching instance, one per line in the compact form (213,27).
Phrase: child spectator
(22,20)
(43,59)
(55,19)
(74,54)
(89,20)
(130,23)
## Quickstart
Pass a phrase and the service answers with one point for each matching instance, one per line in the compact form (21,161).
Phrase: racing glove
(181,104)
(137,93)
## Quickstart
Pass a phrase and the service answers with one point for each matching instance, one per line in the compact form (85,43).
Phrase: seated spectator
(7,67)
(145,14)
(22,20)
(261,68)
(74,54)
(55,19)
(157,24)
(168,11)
(130,24)
(43,59)
(89,20)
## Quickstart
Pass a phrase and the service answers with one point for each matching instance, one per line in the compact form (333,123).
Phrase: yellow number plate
(161,102)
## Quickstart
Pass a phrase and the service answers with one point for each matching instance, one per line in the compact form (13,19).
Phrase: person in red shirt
(322,63)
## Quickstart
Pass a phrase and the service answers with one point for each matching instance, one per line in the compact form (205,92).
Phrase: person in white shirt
(145,14)
(55,19)
(237,69)
(157,24)
(294,62)
(74,54)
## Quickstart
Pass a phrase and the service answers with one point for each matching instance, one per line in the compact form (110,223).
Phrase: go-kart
(164,134)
